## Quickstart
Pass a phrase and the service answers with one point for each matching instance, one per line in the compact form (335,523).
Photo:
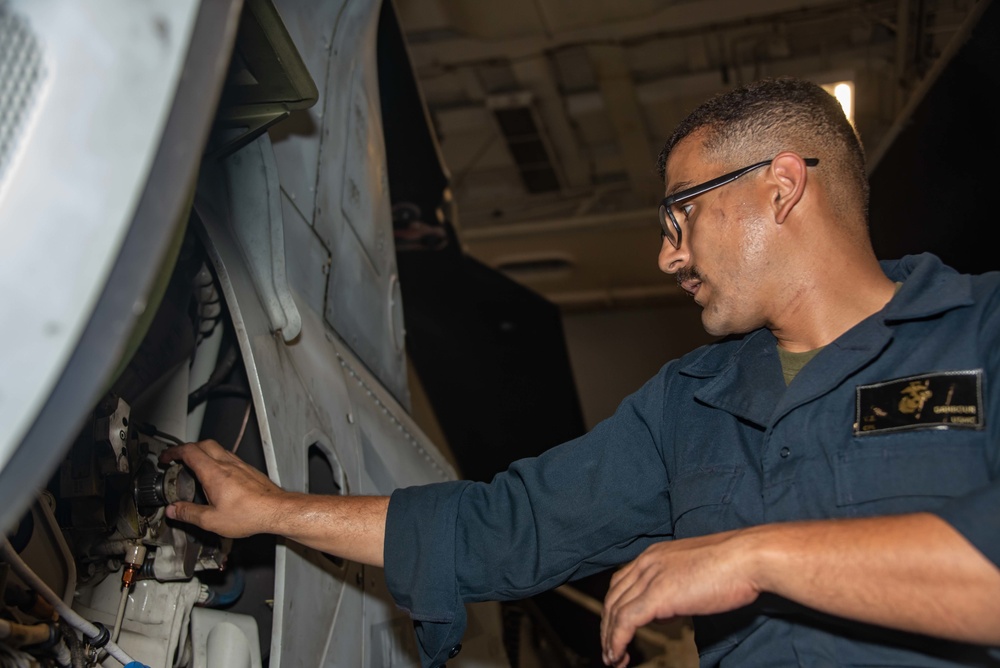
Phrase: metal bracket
(256,222)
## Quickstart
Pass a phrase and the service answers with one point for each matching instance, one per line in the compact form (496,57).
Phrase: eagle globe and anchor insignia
(948,399)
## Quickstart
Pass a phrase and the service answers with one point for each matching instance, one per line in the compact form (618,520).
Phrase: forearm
(242,501)
(351,527)
(910,572)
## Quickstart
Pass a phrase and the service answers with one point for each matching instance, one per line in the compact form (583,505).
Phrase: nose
(671,260)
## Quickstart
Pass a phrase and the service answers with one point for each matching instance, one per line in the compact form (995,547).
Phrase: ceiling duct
(529,147)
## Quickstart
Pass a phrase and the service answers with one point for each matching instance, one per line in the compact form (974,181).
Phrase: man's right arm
(242,501)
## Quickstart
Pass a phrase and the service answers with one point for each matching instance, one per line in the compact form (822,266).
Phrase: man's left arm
(909,572)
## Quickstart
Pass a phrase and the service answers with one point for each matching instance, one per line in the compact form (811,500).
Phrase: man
(827,471)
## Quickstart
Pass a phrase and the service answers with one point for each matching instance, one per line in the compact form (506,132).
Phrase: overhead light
(844,92)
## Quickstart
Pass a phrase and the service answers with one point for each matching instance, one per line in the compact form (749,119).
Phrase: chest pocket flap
(697,499)
(897,469)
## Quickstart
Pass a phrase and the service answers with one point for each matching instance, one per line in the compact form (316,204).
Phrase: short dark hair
(763,118)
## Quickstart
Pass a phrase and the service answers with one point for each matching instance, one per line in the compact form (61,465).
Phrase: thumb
(185,511)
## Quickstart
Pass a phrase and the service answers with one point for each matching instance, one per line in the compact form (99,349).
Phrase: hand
(242,501)
(694,576)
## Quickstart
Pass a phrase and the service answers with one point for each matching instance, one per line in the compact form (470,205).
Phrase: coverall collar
(743,375)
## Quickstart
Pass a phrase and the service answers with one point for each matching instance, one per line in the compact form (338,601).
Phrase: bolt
(121,434)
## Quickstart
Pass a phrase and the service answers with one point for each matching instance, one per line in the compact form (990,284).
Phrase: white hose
(71,616)
(62,654)
(121,614)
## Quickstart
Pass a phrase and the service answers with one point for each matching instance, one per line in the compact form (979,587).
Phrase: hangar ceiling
(549,113)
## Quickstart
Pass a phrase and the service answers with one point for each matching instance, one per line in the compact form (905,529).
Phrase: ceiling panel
(607,82)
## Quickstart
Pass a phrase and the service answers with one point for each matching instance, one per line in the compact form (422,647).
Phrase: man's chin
(715,325)
(710,325)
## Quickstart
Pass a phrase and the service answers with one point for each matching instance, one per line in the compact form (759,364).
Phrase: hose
(77,652)
(220,598)
(225,365)
(45,634)
(20,635)
(29,577)
(121,614)
(62,655)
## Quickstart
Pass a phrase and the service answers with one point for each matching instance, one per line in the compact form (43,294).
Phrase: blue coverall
(898,415)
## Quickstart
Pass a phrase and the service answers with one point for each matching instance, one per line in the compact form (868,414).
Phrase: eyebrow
(678,187)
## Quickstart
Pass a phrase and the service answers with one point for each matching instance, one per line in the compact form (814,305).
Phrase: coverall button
(785,452)
(454,651)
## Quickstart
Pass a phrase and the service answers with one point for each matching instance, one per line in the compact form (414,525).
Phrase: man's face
(722,261)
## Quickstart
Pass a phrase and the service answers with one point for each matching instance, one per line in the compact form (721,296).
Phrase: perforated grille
(22,72)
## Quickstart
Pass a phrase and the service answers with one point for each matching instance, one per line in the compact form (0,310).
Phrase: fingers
(622,588)
(620,663)
(194,454)
(211,463)
(693,576)
(621,628)
(203,459)
(622,581)
(192,513)
(625,610)
(640,592)
(240,499)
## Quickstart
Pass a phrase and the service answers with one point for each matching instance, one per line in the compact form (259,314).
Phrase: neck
(833,297)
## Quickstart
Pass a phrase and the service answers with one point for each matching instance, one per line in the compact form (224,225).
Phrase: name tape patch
(950,398)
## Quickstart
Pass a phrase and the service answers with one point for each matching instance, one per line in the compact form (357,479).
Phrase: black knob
(155,489)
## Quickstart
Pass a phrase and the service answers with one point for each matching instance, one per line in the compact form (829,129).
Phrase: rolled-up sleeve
(420,565)
(579,508)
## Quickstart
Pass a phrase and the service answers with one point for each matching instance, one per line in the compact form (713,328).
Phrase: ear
(789,175)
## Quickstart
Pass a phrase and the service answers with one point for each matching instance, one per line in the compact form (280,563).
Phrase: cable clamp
(102,637)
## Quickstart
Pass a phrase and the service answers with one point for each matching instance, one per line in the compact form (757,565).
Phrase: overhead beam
(535,74)
(619,96)
(708,82)
(433,51)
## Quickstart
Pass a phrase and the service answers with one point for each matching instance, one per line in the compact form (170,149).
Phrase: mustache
(687,274)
